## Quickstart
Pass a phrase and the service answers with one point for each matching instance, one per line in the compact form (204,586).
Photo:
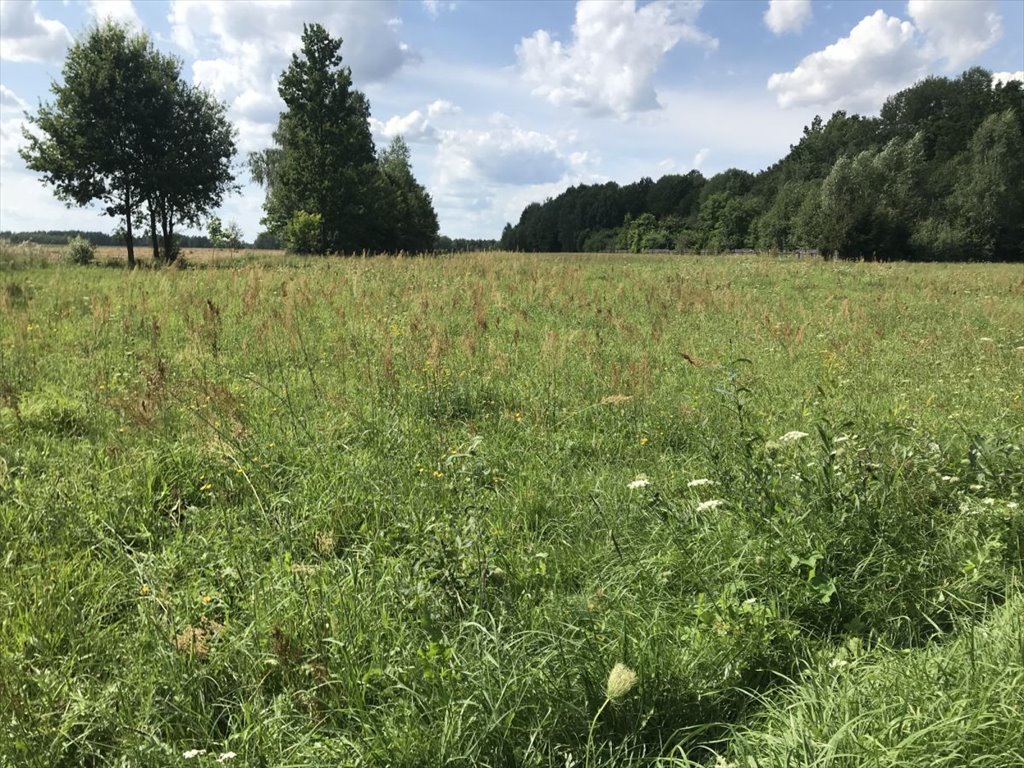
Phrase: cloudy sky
(506,103)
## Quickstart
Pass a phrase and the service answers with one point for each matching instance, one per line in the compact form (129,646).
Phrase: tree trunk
(128,237)
(167,224)
(152,232)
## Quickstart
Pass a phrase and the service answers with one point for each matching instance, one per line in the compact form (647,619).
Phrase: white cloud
(957,30)
(413,127)
(10,100)
(29,37)
(440,108)
(700,158)
(883,54)
(616,49)
(416,127)
(121,11)
(997,77)
(880,55)
(434,7)
(785,16)
(503,153)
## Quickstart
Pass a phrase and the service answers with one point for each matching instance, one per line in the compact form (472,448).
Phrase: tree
(192,163)
(96,138)
(989,198)
(412,221)
(124,130)
(323,159)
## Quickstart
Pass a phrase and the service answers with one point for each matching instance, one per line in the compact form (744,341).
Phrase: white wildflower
(710,504)
(189,754)
(699,482)
(988,502)
(975,487)
(226,756)
(792,437)
(950,478)
(838,663)
(1012,505)
(641,481)
(620,681)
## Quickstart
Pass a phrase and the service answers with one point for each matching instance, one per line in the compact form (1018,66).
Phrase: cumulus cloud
(616,49)
(700,158)
(10,100)
(504,153)
(785,16)
(28,36)
(121,11)
(441,107)
(416,127)
(997,77)
(881,54)
(12,118)
(240,49)
(957,30)
(434,7)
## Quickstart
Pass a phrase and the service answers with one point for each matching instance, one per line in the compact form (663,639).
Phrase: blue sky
(507,103)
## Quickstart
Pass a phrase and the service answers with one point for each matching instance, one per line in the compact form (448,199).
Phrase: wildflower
(644,440)
(792,436)
(641,481)
(144,589)
(226,756)
(207,599)
(706,506)
(620,681)
(205,487)
(189,754)
(950,478)
(838,663)
(699,482)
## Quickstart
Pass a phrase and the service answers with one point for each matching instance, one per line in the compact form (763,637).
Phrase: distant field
(413,511)
(28,253)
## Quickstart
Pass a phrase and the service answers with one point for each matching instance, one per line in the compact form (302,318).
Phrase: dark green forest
(936,176)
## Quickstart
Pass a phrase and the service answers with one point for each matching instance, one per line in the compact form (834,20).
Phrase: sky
(504,104)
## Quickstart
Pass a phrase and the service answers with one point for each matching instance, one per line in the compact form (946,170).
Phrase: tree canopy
(124,130)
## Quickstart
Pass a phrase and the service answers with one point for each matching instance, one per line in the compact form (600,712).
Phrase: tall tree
(94,141)
(412,220)
(191,168)
(323,160)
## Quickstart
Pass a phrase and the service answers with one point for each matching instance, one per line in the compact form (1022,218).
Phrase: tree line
(937,175)
(126,131)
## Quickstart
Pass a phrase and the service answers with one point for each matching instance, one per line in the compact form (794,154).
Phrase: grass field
(413,512)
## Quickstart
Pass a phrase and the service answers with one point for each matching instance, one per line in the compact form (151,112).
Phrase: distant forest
(61,237)
(938,175)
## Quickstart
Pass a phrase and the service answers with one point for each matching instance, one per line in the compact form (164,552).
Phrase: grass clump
(948,704)
(80,251)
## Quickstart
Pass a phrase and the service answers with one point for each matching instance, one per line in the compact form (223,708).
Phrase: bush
(80,251)
(302,233)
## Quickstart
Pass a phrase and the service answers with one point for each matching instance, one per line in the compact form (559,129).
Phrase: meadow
(511,510)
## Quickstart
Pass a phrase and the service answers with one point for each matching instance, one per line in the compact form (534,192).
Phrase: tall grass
(391,512)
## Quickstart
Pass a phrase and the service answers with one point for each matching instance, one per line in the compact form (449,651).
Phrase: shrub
(80,251)
(302,233)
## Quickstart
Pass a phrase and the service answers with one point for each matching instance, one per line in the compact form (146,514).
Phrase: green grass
(377,512)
